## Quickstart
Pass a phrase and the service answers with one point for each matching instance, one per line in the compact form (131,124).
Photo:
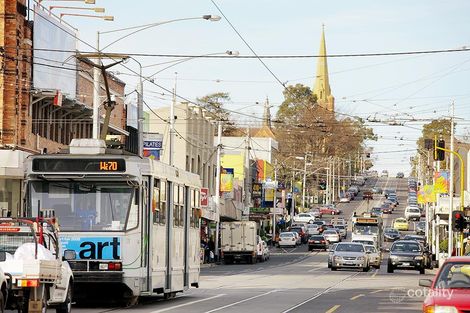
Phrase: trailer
(31,258)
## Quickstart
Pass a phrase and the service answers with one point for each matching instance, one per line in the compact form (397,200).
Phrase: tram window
(182,202)
(176,207)
(156,205)
(162,204)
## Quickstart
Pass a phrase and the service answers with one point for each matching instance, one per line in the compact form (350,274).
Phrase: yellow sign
(429,194)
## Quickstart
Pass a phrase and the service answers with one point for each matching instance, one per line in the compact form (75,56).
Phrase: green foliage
(214,103)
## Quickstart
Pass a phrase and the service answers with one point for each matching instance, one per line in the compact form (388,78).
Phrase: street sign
(204,197)
(270,184)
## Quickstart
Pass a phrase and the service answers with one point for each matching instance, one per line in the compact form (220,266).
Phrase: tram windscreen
(85,206)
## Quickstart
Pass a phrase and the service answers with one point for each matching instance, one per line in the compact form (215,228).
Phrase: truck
(37,274)
(240,242)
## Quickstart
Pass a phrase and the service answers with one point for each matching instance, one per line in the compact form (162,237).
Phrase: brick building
(40,120)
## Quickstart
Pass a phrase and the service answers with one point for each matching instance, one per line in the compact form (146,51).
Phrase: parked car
(450,288)
(400,224)
(406,254)
(412,213)
(317,242)
(350,255)
(304,218)
(375,256)
(391,234)
(332,236)
(287,239)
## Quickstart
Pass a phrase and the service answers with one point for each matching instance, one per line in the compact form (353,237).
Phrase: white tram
(130,225)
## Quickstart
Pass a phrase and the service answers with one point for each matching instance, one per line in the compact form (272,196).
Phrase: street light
(176,62)
(96,73)
(97,10)
(104,17)
(85,1)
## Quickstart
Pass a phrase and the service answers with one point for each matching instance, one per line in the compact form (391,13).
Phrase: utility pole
(304,181)
(172,126)
(96,93)
(247,166)
(333,198)
(451,185)
(217,188)
(274,204)
(340,163)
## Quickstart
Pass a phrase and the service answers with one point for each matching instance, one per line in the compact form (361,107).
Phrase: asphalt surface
(295,280)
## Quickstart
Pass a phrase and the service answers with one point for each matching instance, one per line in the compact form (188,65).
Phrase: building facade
(33,117)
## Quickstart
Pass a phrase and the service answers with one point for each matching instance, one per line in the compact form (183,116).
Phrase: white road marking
(241,301)
(188,303)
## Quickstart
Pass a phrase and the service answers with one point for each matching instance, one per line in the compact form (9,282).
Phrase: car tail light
(323,241)
(27,283)
(111,266)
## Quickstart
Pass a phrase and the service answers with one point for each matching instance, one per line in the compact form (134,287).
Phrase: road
(295,280)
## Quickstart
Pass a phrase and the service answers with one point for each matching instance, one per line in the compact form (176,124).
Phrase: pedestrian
(211,247)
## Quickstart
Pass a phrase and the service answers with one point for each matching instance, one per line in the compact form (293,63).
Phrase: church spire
(322,82)
(267,114)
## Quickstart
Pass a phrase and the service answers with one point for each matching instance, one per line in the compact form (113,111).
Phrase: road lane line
(358,296)
(376,291)
(188,303)
(334,308)
(241,301)
(314,269)
(320,293)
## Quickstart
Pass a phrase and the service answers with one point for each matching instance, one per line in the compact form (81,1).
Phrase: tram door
(145,237)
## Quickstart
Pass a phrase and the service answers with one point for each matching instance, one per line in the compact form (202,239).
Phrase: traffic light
(439,155)
(368,154)
(322,185)
(458,221)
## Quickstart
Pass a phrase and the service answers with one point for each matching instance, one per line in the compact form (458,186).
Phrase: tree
(214,103)
(303,126)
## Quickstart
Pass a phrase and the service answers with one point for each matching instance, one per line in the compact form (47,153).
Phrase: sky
(407,88)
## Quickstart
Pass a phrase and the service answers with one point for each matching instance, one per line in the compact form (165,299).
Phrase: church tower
(322,83)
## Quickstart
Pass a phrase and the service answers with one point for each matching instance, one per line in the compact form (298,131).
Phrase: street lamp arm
(140,28)
(234,53)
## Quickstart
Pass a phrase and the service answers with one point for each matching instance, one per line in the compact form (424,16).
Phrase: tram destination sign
(58,165)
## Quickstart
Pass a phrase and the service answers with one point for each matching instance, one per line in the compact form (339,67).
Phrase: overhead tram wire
(306,56)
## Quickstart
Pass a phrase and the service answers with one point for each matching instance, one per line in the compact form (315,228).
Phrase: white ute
(31,258)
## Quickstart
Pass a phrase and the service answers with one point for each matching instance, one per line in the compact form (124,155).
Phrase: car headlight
(393,257)
(418,257)
(440,309)
(361,258)
(337,258)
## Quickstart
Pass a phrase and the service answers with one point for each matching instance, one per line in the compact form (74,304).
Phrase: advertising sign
(54,71)
(441,182)
(226,180)
(204,197)
(153,144)
(93,248)
(429,194)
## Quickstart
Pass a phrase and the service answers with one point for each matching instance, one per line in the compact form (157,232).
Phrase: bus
(368,228)
(128,225)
